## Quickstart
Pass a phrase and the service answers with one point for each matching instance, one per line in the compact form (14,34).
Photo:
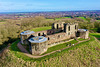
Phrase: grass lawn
(41,28)
(97,35)
(81,39)
(60,46)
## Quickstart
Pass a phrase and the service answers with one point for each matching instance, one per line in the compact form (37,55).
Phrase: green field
(82,18)
(49,19)
(2,23)
(41,29)
(59,18)
(98,20)
(66,17)
(62,18)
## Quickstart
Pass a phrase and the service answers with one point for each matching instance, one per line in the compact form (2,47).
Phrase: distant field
(82,18)
(59,18)
(2,22)
(41,28)
(49,19)
(62,18)
(67,17)
(98,20)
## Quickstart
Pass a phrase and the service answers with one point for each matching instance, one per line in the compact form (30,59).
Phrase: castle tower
(83,33)
(38,45)
(25,35)
(71,28)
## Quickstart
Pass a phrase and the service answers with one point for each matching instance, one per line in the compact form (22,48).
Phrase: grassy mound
(84,54)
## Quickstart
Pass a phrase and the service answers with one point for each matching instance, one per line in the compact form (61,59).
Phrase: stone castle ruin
(39,42)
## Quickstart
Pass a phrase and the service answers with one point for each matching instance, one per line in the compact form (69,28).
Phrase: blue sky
(48,5)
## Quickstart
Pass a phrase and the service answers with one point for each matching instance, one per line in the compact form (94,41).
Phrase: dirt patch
(97,48)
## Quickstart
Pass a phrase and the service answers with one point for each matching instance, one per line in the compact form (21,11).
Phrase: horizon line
(46,11)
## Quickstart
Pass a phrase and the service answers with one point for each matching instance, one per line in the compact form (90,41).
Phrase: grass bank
(85,54)
(41,28)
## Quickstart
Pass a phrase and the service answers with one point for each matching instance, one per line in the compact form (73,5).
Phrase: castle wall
(87,35)
(24,38)
(39,48)
(47,32)
(59,37)
(84,34)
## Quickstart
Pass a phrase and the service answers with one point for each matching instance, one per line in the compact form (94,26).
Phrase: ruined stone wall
(59,37)
(55,35)
(47,32)
(57,25)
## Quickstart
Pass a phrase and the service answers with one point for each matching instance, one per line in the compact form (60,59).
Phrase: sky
(48,5)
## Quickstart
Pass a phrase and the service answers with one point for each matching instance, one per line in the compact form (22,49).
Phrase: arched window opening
(48,38)
(58,36)
(39,34)
(57,26)
(75,27)
(69,28)
(43,34)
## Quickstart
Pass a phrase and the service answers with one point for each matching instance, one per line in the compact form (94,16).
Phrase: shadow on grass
(9,42)
(14,47)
